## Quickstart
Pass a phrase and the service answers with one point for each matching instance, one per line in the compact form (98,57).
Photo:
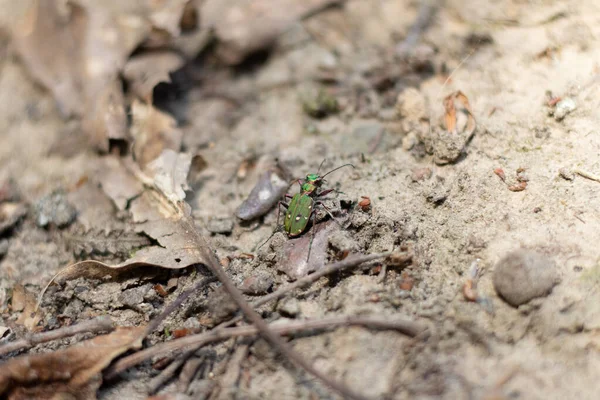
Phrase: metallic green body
(298,213)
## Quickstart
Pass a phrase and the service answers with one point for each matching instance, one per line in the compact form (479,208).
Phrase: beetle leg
(279,205)
(325,192)
(328,212)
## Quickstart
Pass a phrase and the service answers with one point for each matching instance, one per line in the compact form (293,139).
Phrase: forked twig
(408,327)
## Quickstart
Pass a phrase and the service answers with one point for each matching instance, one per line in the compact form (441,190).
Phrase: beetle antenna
(320,165)
(335,169)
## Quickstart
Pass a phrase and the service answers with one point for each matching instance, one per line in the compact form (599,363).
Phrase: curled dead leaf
(70,373)
(145,71)
(24,301)
(170,171)
(153,131)
(451,117)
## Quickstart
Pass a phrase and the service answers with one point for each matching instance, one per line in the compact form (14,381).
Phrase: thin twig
(166,374)
(100,324)
(181,211)
(408,327)
(586,174)
(348,262)
(276,341)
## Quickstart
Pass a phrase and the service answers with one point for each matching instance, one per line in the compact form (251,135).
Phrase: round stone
(523,275)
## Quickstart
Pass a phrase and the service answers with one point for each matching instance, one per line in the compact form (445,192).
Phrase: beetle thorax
(308,188)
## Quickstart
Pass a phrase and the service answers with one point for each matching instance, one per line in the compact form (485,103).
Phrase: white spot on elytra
(298,218)
(289,216)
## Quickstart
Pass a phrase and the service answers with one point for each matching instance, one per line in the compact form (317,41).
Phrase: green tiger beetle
(301,208)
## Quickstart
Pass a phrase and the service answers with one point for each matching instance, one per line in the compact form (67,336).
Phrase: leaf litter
(74,372)
(152,185)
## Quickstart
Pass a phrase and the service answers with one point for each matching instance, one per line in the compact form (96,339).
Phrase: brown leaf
(453,114)
(169,172)
(242,26)
(145,71)
(77,50)
(296,262)
(118,184)
(153,131)
(24,301)
(70,373)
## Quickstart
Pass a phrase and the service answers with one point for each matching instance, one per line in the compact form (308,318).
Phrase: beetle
(301,207)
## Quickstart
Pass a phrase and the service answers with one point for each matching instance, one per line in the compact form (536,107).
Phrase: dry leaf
(269,189)
(153,131)
(242,26)
(118,183)
(70,373)
(56,67)
(451,118)
(145,71)
(295,262)
(24,301)
(169,172)
(78,49)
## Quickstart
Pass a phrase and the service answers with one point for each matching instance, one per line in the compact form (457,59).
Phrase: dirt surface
(455,202)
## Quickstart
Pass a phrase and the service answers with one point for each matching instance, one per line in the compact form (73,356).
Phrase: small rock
(420,174)
(54,209)
(563,108)
(437,193)
(523,275)
(73,309)
(321,105)
(192,323)
(10,214)
(220,225)
(4,245)
(289,308)
(410,104)
(259,283)
(341,241)
(220,305)
(566,173)
(409,141)
(135,296)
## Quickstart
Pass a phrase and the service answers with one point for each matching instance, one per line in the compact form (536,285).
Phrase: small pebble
(411,104)
(135,296)
(54,209)
(420,174)
(220,225)
(523,275)
(259,283)
(563,108)
(289,308)
(566,173)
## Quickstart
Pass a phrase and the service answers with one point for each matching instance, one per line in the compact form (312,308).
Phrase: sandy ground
(505,56)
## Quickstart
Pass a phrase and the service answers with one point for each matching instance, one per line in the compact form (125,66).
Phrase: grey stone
(54,209)
(523,275)
(220,225)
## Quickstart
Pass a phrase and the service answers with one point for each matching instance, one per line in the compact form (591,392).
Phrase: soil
(439,197)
